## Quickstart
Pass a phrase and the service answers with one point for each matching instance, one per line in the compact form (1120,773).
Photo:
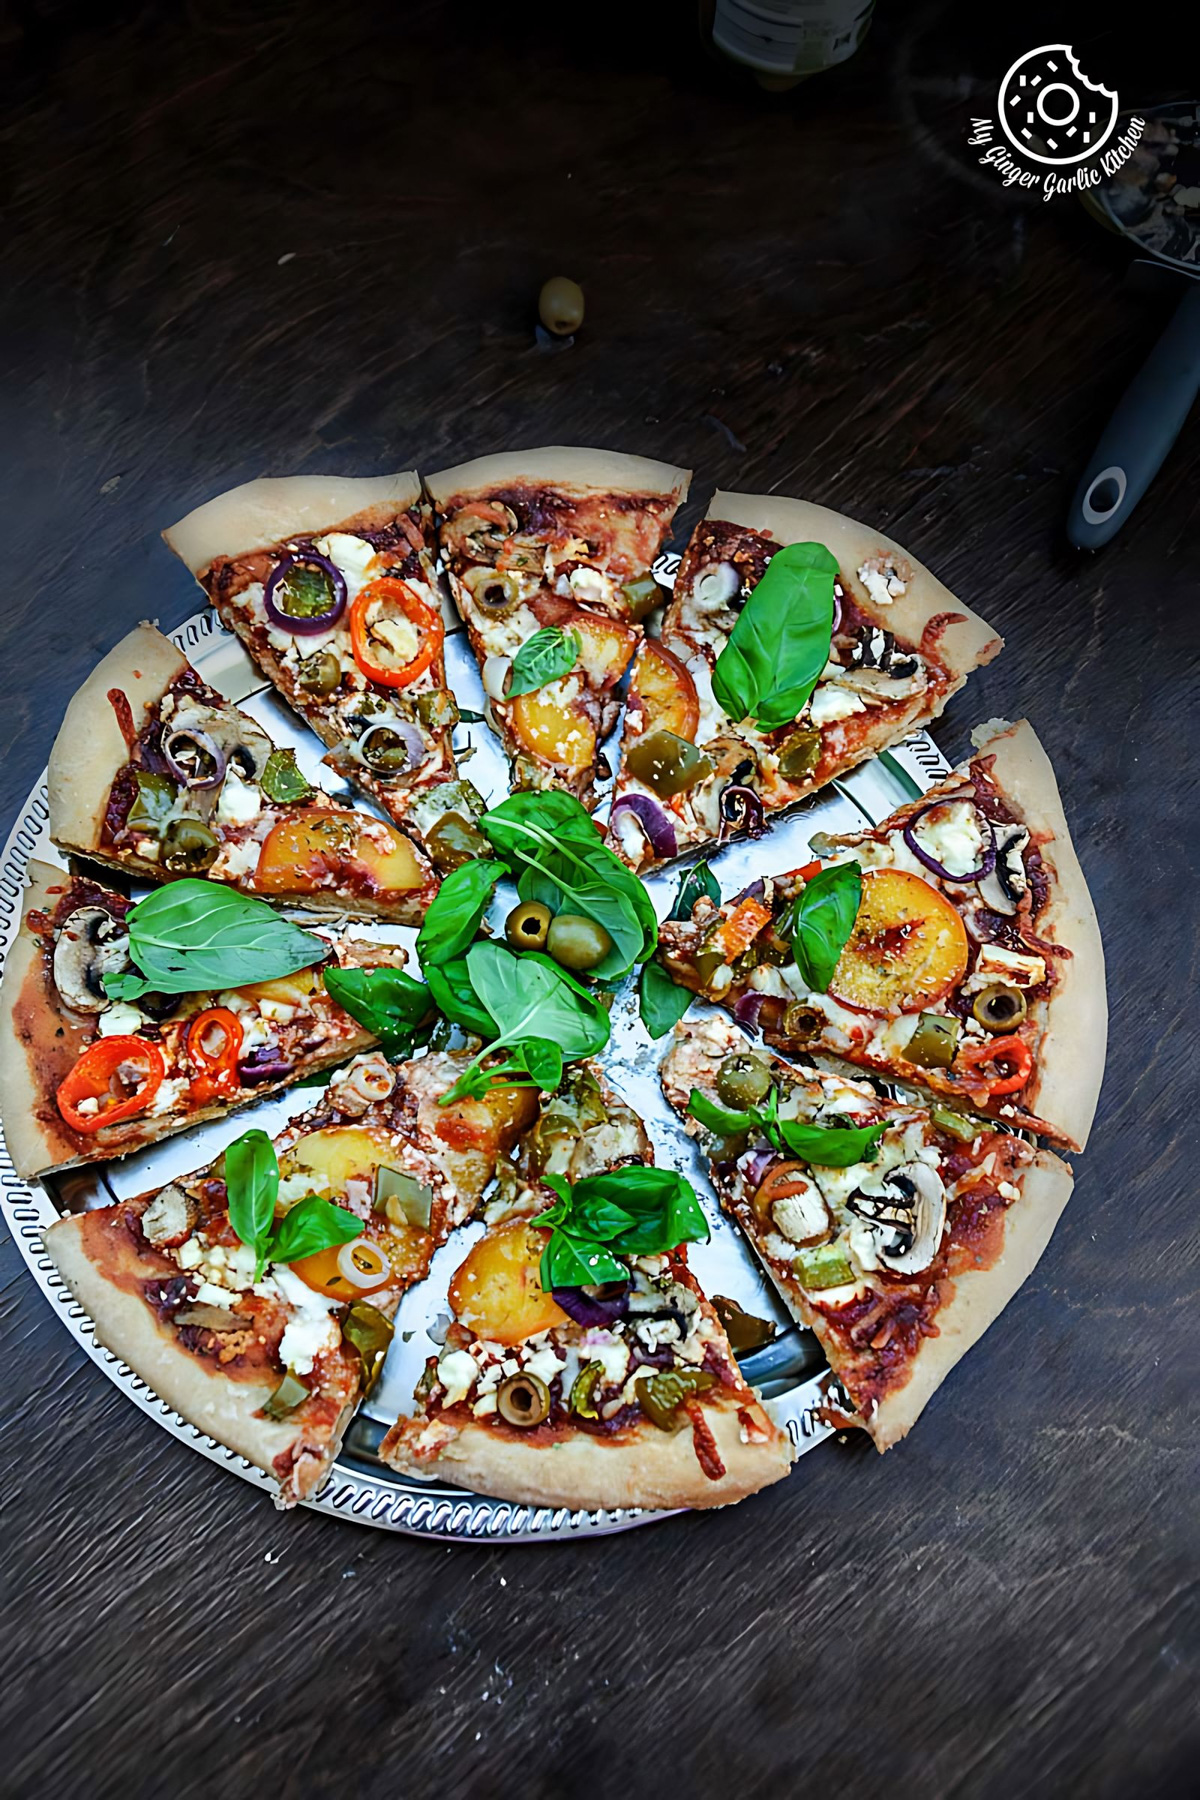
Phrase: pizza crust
(223,1408)
(980,1296)
(90,747)
(31,1143)
(260,513)
(648,1468)
(561,465)
(963,646)
(1070,1061)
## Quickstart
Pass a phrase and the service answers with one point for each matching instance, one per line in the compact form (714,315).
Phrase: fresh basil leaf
(456,999)
(831,1147)
(311,1225)
(194,935)
(251,1189)
(569,1261)
(547,656)
(387,1001)
(695,883)
(542,1061)
(632,1211)
(773,657)
(663,1001)
(454,917)
(721,1119)
(282,781)
(819,921)
(551,845)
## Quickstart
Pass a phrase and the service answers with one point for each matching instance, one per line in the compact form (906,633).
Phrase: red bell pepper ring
(392,593)
(94,1079)
(1010,1052)
(214,1043)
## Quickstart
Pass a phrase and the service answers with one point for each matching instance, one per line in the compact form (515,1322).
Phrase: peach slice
(308,849)
(907,949)
(497,1292)
(556,730)
(662,694)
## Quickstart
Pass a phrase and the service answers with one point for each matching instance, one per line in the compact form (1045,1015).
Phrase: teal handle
(1145,424)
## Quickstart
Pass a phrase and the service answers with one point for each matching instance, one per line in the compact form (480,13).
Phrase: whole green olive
(319,674)
(187,844)
(576,942)
(453,841)
(999,1007)
(523,1400)
(560,305)
(743,1080)
(527,925)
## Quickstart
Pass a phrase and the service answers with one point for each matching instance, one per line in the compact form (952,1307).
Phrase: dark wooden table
(249,236)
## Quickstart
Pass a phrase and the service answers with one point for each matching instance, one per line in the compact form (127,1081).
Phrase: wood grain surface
(248,236)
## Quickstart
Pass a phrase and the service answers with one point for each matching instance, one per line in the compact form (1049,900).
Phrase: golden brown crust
(260,513)
(647,1468)
(561,465)
(979,1296)
(963,646)
(90,747)
(223,1408)
(31,1143)
(1070,1060)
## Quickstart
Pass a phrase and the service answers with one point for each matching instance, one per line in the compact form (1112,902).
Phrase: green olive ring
(999,1008)
(527,926)
(523,1400)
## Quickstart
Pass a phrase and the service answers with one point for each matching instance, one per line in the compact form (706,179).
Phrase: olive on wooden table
(560,305)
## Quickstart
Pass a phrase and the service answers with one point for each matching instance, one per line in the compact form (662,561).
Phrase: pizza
(623,1394)
(851,646)
(330,585)
(972,966)
(898,1251)
(549,554)
(266,1351)
(84,1078)
(155,774)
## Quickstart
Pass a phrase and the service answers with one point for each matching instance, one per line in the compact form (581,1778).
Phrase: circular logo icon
(1050,111)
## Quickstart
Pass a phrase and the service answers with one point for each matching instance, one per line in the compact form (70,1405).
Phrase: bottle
(783,42)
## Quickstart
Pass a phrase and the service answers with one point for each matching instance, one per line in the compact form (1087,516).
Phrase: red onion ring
(748,1008)
(414,745)
(931,862)
(305,627)
(736,800)
(837,609)
(754,1170)
(653,820)
(263,1064)
(204,743)
(601,1307)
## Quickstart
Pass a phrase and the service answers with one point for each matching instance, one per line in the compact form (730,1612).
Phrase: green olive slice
(527,926)
(523,1400)
(187,844)
(934,1042)
(320,673)
(999,1007)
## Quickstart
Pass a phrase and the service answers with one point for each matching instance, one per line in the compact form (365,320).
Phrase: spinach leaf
(387,1001)
(456,999)
(251,1189)
(310,1225)
(820,919)
(663,1001)
(455,915)
(780,642)
(530,998)
(193,935)
(546,656)
(829,1146)
(631,1211)
(695,883)
(551,844)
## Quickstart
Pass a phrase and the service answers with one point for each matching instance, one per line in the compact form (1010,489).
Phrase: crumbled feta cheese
(997,964)
(240,802)
(353,556)
(305,1337)
(456,1370)
(546,1364)
(591,585)
(610,1351)
(279,1010)
(1008,1190)
(120,1020)
(299,1186)
(829,704)
(190,1254)
(170,1094)
(951,835)
(883,584)
(486,1404)
(208,1294)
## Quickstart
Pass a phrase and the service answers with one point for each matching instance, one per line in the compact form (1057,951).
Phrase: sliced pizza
(255,1296)
(797,644)
(953,946)
(330,585)
(549,553)
(85,1077)
(894,1231)
(583,1366)
(155,773)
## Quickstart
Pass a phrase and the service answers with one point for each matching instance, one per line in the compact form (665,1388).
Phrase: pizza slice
(583,1366)
(797,644)
(893,1233)
(954,946)
(330,585)
(549,553)
(85,1077)
(255,1296)
(154,773)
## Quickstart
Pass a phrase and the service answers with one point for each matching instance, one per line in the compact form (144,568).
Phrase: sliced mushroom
(479,531)
(1005,886)
(883,684)
(90,945)
(243,743)
(169,1219)
(906,1210)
